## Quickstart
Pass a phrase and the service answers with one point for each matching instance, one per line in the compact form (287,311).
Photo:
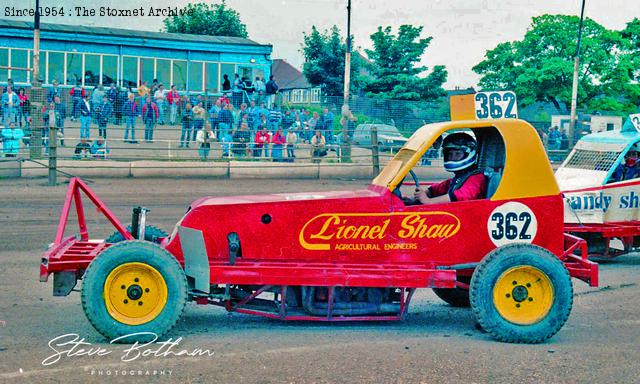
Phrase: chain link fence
(120,125)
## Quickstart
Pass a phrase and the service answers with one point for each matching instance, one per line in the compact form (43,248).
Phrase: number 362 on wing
(496,105)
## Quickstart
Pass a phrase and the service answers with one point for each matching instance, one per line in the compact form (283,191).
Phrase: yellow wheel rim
(135,293)
(523,295)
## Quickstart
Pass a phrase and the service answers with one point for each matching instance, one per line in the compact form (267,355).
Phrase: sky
(462,30)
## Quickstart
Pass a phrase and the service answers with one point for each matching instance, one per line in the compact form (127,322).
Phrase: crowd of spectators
(246,119)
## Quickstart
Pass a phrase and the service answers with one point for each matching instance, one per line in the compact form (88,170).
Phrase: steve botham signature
(72,345)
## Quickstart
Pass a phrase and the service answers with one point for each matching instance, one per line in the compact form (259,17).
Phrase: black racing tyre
(131,287)
(456,297)
(521,293)
(151,233)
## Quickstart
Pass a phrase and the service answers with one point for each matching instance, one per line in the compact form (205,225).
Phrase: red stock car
(342,256)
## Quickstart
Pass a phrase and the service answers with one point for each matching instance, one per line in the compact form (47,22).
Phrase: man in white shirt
(160,97)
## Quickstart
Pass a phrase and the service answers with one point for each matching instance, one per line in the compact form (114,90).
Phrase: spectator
(226,84)
(25,105)
(160,99)
(96,100)
(287,119)
(318,146)
(262,139)
(173,98)
(187,123)
(199,115)
(327,125)
(254,116)
(104,114)
(11,136)
(236,91)
(226,142)
(275,117)
(85,117)
(292,140)
(82,150)
(271,89)
(149,118)
(112,94)
(99,149)
(77,95)
(225,120)
(277,142)
(130,111)
(143,92)
(118,106)
(259,88)
(310,127)
(204,138)
(555,138)
(241,141)
(10,106)
(60,114)
(53,91)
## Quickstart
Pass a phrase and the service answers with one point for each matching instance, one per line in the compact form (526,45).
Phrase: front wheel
(521,293)
(134,291)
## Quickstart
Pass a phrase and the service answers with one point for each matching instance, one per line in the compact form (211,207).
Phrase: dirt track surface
(436,344)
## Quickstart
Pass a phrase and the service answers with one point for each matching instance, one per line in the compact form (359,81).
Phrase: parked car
(388,136)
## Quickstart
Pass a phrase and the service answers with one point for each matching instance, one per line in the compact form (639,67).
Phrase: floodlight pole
(574,90)
(345,144)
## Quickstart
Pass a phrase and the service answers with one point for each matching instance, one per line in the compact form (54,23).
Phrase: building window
(315,95)
(258,72)
(130,72)
(180,74)
(163,72)
(91,70)
(229,70)
(19,60)
(55,67)
(147,70)
(211,77)
(4,62)
(109,69)
(195,76)
(74,68)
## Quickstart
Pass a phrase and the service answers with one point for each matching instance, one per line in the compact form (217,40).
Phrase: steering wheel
(397,191)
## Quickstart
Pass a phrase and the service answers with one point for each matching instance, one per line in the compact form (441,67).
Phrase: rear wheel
(456,297)
(521,293)
(134,288)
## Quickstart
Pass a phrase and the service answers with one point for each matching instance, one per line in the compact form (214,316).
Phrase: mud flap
(196,262)
(63,283)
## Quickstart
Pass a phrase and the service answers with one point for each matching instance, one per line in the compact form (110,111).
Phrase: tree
(394,69)
(540,66)
(324,61)
(206,19)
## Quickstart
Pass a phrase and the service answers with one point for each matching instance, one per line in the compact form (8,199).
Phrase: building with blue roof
(93,56)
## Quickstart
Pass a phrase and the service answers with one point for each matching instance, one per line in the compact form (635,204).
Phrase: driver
(468,183)
(630,168)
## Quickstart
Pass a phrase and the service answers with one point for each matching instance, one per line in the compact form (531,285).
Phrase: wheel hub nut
(134,292)
(520,293)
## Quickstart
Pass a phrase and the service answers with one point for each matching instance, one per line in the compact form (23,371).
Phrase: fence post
(53,153)
(375,158)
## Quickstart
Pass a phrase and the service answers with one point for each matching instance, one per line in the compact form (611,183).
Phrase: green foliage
(207,19)
(394,66)
(540,66)
(324,55)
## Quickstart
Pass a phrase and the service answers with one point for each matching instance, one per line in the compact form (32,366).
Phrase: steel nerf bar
(578,265)
(72,253)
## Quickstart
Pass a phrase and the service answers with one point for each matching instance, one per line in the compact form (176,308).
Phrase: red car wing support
(74,253)
(578,265)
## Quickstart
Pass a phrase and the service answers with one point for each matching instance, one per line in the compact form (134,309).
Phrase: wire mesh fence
(136,125)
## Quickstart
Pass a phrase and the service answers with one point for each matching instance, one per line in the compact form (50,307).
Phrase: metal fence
(117,125)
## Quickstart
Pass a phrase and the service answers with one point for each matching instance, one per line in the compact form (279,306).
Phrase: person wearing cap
(468,182)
